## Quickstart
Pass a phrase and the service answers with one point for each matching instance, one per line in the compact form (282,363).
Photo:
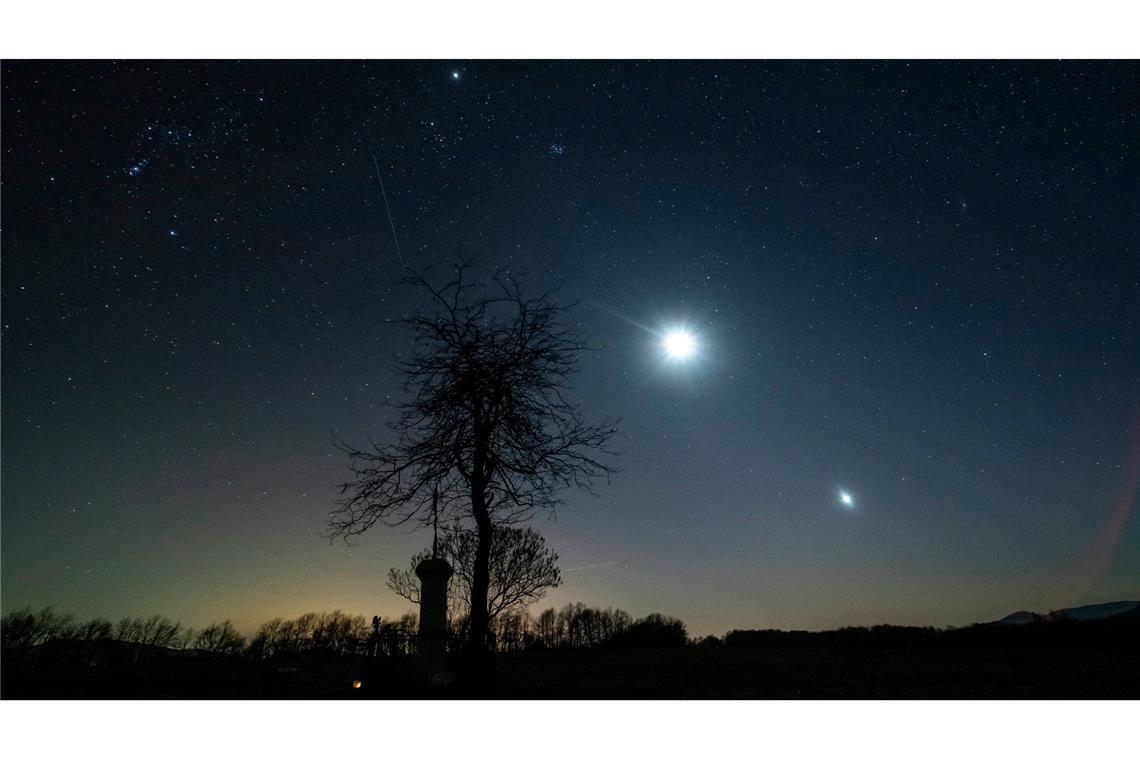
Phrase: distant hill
(1019,618)
(1085,612)
(1096,611)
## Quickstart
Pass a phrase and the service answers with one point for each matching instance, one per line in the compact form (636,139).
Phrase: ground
(689,673)
(732,673)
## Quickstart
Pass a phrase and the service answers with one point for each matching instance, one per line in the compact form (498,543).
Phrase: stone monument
(432,645)
(434,574)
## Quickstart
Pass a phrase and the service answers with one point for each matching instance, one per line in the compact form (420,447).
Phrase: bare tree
(486,430)
(547,628)
(511,631)
(21,629)
(267,642)
(185,639)
(221,638)
(521,570)
(333,632)
(153,631)
(338,633)
(129,630)
(95,629)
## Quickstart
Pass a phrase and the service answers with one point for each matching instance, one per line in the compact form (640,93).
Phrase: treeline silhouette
(1106,633)
(577,626)
(574,626)
(23,629)
(572,651)
(327,632)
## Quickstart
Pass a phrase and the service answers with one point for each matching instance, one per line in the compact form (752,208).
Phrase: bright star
(679,344)
(455,75)
(846,499)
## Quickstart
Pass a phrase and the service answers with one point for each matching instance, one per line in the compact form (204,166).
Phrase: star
(455,75)
(846,499)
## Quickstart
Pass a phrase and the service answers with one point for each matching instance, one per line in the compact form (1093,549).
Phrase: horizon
(532,612)
(866,323)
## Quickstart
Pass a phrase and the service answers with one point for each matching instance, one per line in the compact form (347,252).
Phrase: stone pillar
(433,575)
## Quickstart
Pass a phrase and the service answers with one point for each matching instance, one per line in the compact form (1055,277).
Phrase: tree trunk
(480,575)
(475,666)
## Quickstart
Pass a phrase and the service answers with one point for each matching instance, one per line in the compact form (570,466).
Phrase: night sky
(914,291)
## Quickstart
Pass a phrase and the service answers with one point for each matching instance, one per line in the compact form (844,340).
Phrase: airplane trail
(388,209)
(590,567)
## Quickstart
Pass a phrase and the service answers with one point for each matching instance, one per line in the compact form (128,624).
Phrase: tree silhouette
(486,426)
(153,631)
(21,629)
(220,638)
(521,569)
(95,629)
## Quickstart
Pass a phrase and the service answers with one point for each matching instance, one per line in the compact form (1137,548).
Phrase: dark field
(686,673)
(730,673)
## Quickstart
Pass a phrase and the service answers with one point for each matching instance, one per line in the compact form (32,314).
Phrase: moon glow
(679,344)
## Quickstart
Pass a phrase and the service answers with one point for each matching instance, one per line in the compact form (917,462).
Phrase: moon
(679,344)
